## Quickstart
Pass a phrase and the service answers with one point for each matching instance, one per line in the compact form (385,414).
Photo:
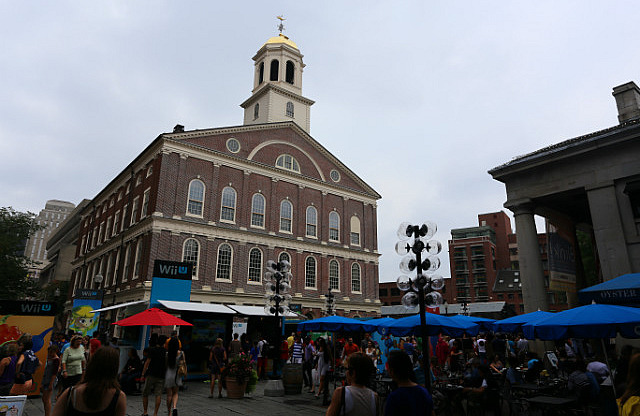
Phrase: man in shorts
(154,372)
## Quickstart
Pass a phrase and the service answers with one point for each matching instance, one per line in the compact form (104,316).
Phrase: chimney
(628,101)
(179,128)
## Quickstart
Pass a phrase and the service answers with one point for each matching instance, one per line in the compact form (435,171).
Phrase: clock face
(335,175)
(233,145)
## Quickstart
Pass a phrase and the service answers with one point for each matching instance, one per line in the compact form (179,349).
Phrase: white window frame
(228,207)
(116,267)
(145,203)
(288,162)
(315,272)
(258,211)
(311,222)
(355,231)
(134,208)
(116,223)
(107,274)
(196,264)
(127,262)
(137,260)
(336,228)
(359,268)
(285,220)
(195,200)
(107,229)
(230,263)
(337,277)
(250,267)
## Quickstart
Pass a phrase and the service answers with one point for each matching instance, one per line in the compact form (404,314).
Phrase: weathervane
(281,26)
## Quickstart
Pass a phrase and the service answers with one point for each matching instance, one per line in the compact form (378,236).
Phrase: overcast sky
(418,98)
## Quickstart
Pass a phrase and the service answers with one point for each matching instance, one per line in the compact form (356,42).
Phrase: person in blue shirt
(409,399)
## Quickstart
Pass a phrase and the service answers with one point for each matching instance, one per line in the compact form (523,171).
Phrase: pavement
(194,401)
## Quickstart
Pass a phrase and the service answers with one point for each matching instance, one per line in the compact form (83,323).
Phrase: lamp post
(330,304)
(277,278)
(415,240)
(97,279)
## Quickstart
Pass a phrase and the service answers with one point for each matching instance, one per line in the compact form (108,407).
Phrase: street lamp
(277,280)
(330,304)
(97,280)
(415,240)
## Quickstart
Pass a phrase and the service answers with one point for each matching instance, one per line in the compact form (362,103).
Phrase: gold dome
(282,39)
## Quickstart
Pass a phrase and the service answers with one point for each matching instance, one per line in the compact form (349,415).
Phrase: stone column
(534,292)
(607,228)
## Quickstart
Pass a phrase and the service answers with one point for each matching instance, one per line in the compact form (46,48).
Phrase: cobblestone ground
(194,401)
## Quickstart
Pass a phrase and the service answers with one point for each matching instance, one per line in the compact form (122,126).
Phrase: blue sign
(171,281)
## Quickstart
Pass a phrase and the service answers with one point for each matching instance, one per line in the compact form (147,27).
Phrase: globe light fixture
(330,304)
(420,254)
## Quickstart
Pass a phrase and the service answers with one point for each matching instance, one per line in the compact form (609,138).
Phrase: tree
(15,228)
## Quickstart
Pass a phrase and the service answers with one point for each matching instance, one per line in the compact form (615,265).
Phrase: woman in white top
(355,399)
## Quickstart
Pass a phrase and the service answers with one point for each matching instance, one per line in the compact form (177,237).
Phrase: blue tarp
(334,324)
(485,323)
(623,290)
(589,321)
(436,324)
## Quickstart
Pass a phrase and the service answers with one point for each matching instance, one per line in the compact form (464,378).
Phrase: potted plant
(236,376)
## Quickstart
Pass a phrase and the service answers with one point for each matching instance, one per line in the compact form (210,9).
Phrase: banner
(562,263)
(27,317)
(82,320)
(171,281)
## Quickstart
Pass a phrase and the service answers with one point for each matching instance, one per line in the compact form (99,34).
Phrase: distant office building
(390,294)
(53,214)
(588,187)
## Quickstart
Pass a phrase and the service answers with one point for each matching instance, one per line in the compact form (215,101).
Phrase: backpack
(30,363)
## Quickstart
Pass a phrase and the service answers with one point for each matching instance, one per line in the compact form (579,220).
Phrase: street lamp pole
(423,290)
(277,278)
(330,304)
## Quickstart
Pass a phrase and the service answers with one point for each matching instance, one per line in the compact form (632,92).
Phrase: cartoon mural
(82,320)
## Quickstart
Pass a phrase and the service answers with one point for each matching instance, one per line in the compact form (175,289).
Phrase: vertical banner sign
(562,263)
(171,281)
(26,317)
(82,320)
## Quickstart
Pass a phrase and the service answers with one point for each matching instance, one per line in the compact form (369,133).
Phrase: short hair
(26,340)
(400,363)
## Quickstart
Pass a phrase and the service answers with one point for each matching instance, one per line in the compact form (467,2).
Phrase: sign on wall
(83,320)
(562,263)
(171,281)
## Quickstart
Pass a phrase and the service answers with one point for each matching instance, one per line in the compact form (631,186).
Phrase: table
(549,405)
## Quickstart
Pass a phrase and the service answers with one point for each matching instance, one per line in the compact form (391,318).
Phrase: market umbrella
(589,321)
(333,323)
(623,290)
(154,317)
(436,324)
(515,323)
(376,324)
(484,323)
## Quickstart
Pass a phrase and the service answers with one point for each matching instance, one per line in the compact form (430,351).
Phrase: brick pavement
(194,401)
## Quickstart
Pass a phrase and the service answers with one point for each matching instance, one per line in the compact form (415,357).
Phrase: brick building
(485,267)
(229,199)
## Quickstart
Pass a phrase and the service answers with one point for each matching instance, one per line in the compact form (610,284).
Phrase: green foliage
(588,255)
(15,228)
(239,368)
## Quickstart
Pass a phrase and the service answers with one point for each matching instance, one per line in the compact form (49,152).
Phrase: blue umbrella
(515,323)
(436,324)
(376,324)
(623,290)
(589,321)
(333,324)
(485,323)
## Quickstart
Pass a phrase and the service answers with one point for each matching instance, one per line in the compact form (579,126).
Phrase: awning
(120,305)
(196,307)
(255,310)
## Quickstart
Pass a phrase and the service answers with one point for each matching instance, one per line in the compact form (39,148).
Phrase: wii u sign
(10,307)
(172,270)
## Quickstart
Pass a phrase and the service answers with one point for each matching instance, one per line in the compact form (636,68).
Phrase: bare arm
(146,366)
(121,405)
(60,409)
(336,403)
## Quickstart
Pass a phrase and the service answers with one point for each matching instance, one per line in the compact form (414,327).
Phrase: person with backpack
(27,364)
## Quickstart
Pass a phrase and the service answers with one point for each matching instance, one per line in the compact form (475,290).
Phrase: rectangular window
(93,237)
(134,210)
(107,229)
(124,216)
(145,204)
(116,223)
(101,233)
(116,267)
(127,263)
(137,268)
(355,239)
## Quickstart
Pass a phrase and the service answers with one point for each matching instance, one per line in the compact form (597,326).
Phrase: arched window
(257,211)
(355,231)
(288,162)
(256,111)
(290,70)
(195,202)
(190,254)
(289,109)
(355,277)
(137,264)
(286,216)
(255,265)
(228,212)
(223,270)
(310,272)
(312,222)
(275,68)
(261,73)
(284,256)
(334,275)
(334,226)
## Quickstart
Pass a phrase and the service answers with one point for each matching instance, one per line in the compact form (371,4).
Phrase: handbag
(182,366)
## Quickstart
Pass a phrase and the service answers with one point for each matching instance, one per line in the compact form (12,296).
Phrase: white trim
(197,266)
(121,305)
(197,307)
(204,193)
(282,142)
(216,278)
(250,310)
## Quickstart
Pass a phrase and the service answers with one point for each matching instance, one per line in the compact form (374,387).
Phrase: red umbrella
(154,317)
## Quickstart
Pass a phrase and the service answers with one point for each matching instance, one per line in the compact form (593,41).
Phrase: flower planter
(235,390)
